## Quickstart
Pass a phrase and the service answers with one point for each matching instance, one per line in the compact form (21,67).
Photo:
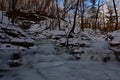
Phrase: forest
(94,14)
(59,39)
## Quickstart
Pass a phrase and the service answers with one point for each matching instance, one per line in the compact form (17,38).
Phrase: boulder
(114,43)
(13,35)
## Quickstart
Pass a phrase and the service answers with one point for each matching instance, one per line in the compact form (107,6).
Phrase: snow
(47,61)
(115,43)
(5,19)
(116,35)
(91,44)
(12,34)
(62,70)
(88,56)
(36,66)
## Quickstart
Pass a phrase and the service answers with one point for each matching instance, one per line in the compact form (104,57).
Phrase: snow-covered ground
(51,64)
(86,45)
(88,56)
(13,37)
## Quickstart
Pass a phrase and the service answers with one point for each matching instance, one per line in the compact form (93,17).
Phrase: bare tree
(116,26)
(58,14)
(103,16)
(97,15)
(2,6)
(74,22)
(82,14)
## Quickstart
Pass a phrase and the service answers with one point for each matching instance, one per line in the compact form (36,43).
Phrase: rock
(12,32)
(116,51)
(106,59)
(13,35)
(117,55)
(24,44)
(15,63)
(16,56)
(15,60)
(109,37)
(78,51)
(66,56)
(114,43)
(25,25)
(77,57)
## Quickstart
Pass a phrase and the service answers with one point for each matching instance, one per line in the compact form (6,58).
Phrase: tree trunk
(116,26)
(2,6)
(74,22)
(97,15)
(58,15)
(82,14)
(103,18)
(13,10)
(64,13)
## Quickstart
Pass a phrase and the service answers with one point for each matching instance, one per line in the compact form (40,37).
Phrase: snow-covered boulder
(116,35)
(12,35)
(114,43)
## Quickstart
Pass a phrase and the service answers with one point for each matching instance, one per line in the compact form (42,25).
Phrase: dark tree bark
(47,4)
(12,9)
(58,14)
(116,26)
(82,14)
(64,13)
(97,15)
(103,17)
(2,6)
(74,22)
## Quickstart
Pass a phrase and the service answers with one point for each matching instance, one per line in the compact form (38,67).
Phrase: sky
(87,3)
